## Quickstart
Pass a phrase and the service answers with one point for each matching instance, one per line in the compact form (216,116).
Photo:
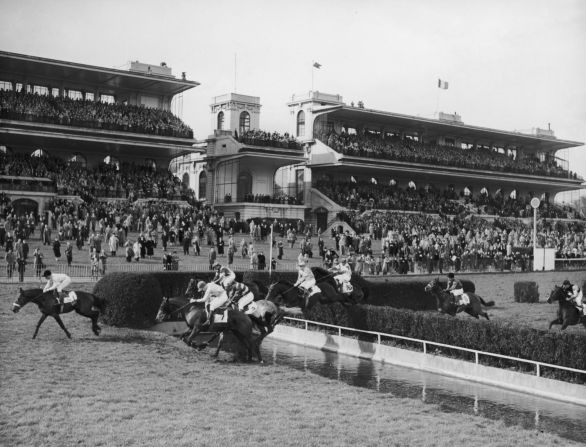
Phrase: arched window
(203,181)
(220,125)
(244,122)
(78,159)
(109,160)
(185,180)
(39,153)
(301,124)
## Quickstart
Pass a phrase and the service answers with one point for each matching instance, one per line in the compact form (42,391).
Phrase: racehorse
(323,276)
(50,308)
(266,314)
(446,302)
(568,315)
(195,316)
(286,294)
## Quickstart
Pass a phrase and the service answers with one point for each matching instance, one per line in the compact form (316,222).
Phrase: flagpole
(312,67)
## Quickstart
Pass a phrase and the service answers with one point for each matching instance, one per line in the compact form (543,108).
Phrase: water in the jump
(449,394)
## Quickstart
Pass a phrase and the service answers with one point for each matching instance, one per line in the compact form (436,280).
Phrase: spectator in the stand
(68,253)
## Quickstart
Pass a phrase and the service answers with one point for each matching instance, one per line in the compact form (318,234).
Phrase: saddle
(66,298)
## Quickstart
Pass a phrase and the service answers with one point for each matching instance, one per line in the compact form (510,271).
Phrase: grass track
(128,388)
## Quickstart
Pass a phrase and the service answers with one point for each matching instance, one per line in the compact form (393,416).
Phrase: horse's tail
(485,303)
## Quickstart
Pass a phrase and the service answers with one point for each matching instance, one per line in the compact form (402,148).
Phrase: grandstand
(72,129)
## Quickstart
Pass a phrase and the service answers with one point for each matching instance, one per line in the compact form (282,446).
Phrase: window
(41,90)
(109,160)
(301,124)
(220,125)
(185,180)
(18,87)
(203,182)
(78,159)
(74,94)
(55,92)
(244,122)
(108,99)
(5,85)
(244,186)
(39,153)
(89,96)
(226,179)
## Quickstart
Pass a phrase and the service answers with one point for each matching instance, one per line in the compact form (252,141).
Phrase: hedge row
(558,348)
(526,292)
(133,298)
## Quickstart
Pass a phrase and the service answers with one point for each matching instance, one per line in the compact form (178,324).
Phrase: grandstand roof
(16,67)
(433,127)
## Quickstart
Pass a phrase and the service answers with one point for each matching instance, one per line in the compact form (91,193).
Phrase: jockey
(305,279)
(240,292)
(226,277)
(214,297)
(56,282)
(456,288)
(343,275)
(216,268)
(574,294)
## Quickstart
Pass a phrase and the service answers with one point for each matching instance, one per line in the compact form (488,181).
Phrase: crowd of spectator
(283,199)
(372,145)
(106,180)
(362,195)
(90,113)
(389,241)
(261,138)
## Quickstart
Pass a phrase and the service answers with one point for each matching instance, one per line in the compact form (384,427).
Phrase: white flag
(373,181)
(352,179)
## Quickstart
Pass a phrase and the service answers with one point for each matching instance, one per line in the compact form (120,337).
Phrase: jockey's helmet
(201,285)
(566,284)
(344,260)
(301,264)
(451,275)
(47,273)
(224,270)
(216,265)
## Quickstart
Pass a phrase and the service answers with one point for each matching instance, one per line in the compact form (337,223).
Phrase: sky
(510,64)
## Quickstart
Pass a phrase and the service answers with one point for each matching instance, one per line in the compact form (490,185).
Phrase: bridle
(32,299)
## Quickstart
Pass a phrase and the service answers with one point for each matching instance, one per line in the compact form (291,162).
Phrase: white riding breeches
(245,300)
(218,301)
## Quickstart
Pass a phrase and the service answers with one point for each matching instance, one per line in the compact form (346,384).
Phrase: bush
(556,348)
(406,294)
(132,299)
(526,292)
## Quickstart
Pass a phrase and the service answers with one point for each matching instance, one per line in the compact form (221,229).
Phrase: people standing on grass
(10,259)
(136,250)
(212,256)
(69,253)
(102,263)
(57,249)
(38,261)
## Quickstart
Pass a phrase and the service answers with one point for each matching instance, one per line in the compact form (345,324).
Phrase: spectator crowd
(89,113)
(371,145)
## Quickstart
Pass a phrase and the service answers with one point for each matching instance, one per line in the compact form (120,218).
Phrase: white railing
(425,344)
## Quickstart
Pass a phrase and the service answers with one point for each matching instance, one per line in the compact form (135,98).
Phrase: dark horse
(195,316)
(49,307)
(447,304)
(266,314)
(285,294)
(323,276)
(568,315)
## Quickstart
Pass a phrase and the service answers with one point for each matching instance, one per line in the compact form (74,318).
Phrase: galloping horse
(568,315)
(286,294)
(323,276)
(447,304)
(49,307)
(266,314)
(195,317)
